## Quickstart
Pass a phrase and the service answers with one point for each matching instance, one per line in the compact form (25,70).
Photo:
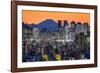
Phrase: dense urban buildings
(54,41)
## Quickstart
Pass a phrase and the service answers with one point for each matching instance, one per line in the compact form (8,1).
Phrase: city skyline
(53,37)
(43,43)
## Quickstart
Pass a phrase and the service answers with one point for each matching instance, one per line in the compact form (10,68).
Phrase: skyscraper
(35,33)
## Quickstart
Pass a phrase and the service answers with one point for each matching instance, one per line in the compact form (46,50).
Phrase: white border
(52,63)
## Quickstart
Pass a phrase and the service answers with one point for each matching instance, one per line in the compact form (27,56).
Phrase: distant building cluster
(71,41)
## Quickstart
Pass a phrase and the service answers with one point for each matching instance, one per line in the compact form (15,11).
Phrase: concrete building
(70,32)
(78,28)
(85,28)
(35,32)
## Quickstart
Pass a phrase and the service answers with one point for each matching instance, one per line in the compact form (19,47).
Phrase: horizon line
(55,22)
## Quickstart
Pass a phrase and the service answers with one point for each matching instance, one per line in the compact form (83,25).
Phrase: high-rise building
(78,27)
(59,24)
(65,23)
(69,33)
(73,25)
(35,33)
(85,28)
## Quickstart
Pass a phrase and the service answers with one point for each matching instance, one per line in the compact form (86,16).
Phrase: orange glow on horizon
(36,17)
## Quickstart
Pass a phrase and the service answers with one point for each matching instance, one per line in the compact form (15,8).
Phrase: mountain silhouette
(48,25)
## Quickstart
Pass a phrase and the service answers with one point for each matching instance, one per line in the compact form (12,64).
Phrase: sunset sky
(36,17)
